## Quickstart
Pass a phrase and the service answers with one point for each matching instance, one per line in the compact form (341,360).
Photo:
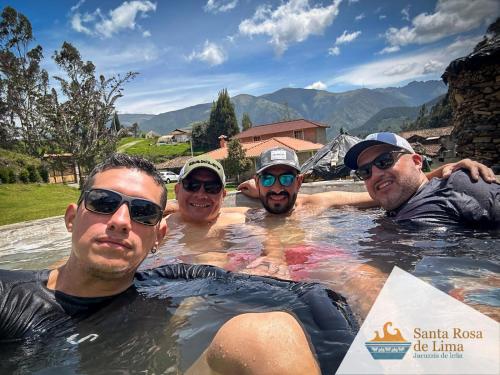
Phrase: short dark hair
(129,162)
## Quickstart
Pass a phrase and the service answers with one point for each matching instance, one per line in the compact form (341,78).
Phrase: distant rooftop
(254,149)
(430,133)
(278,127)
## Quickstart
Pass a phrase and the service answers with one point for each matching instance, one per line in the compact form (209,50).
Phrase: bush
(12,176)
(4,175)
(24,176)
(7,175)
(44,173)
(33,174)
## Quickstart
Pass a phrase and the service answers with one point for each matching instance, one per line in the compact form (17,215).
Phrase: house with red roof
(303,149)
(302,136)
(299,129)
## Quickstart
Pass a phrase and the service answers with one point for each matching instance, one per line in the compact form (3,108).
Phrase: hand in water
(267,266)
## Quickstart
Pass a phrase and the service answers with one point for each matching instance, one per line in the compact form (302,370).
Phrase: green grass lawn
(22,202)
(148,149)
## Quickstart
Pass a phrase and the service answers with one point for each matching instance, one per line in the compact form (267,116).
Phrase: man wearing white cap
(393,177)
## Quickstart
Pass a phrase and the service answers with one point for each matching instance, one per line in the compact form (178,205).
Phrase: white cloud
(359,17)
(317,86)
(211,53)
(221,6)
(433,66)
(449,18)
(353,1)
(347,38)
(382,17)
(146,34)
(78,5)
(389,50)
(392,71)
(77,25)
(334,51)
(291,22)
(118,19)
(172,93)
(406,13)
(120,57)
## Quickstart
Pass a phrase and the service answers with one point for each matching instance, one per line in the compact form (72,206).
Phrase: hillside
(350,109)
(128,119)
(388,119)
(395,119)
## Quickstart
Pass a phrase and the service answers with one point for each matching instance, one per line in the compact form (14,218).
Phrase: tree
(236,161)
(246,123)
(115,124)
(23,84)
(135,129)
(222,120)
(199,135)
(79,124)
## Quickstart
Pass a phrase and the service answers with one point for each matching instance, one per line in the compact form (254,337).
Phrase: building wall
(476,114)
(315,135)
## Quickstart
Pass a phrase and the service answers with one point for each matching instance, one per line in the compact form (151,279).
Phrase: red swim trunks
(303,258)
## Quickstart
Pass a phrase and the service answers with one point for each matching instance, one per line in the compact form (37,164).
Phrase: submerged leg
(258,343)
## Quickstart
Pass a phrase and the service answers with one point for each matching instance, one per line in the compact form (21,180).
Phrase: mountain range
(349,110)
(393,119)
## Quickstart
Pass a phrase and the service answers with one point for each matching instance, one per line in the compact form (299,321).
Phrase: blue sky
(187,51)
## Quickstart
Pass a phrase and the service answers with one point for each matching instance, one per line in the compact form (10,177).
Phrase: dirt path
(127,145)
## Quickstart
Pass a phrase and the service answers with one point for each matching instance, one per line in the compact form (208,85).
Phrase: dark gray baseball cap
(277,156)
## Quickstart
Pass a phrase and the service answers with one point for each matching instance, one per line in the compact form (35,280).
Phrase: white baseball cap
(351,157)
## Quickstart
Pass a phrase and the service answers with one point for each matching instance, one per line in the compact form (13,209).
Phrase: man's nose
(120,220)
(376,171)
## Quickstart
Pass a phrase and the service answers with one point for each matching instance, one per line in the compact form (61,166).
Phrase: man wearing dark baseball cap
(392,173)
(278,179)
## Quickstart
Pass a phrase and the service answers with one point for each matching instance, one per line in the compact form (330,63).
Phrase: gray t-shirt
(454,201)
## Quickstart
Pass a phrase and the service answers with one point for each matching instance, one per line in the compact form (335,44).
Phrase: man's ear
(418,160)
(176,189)
(70,215)
(224,193)
(300,179)
(162,230)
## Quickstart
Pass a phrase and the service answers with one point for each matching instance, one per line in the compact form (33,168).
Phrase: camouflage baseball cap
(203,161)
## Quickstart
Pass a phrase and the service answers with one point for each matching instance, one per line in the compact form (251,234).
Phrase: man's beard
(279,207)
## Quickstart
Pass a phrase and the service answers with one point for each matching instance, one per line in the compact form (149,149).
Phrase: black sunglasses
(383,161)
(107,202)
(210,187)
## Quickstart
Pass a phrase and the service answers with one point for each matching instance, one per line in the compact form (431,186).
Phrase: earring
(154,249)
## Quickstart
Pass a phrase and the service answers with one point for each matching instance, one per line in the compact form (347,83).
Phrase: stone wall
(475,100)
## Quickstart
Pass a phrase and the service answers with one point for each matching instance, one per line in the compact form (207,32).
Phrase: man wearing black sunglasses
(115,224)
(197,218)
(393,177)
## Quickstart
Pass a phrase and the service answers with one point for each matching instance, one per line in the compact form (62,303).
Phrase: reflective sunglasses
(285,179)
(210,187)
(383,161)
(107,202)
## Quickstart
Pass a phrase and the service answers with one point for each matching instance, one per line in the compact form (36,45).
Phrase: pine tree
(115,125)
(236,161)
(222,120)
(135,129)
(246,123)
